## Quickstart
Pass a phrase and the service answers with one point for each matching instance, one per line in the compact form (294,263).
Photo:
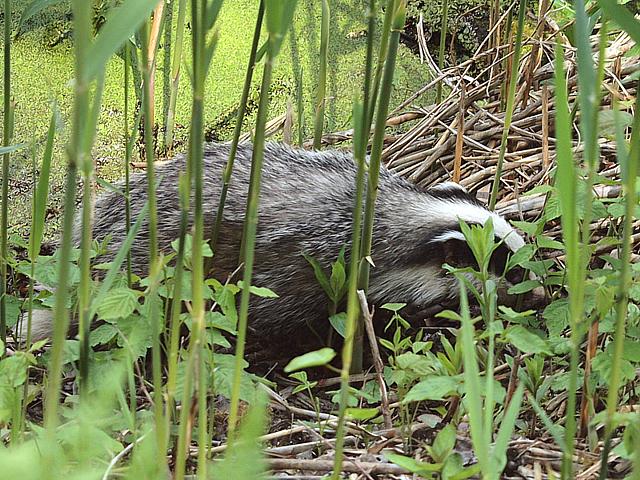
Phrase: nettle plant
(123,334)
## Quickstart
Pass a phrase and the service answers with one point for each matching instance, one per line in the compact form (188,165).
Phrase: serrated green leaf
(120,302)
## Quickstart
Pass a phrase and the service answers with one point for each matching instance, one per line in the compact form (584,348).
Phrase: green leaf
(35,7)
(339,323)
(506,429)
(443,444)
(42,191)
(120,302)
(362,413)
(623,17)
(394,307)
(412,465)
(321,277)
(311,359)
(123,21)
(526,341)
(103,334)
(608,121)
(260,291)
(137,335)
(432,388)
(523,287)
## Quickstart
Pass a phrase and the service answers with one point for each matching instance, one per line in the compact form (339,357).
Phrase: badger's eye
(515,275)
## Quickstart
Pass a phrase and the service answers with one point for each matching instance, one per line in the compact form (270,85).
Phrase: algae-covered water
(43,65)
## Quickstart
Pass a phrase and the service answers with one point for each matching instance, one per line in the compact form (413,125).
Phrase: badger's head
(433,237)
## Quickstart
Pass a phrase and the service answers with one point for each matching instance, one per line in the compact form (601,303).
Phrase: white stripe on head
(448,186)
(453,210)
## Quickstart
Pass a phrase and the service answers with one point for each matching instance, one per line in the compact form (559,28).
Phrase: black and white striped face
(437,239)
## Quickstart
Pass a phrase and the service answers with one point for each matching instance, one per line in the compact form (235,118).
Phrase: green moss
(42,73)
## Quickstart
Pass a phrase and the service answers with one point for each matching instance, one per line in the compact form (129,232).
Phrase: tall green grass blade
(11,148)
(554,430)
(278,15)
(566,186)
(360,140)
(630,169)
(300,107)
(396,24)
(175,75)
(42,189)
(154,260)
(623,17)
(444,25)
(6,140)
(472,383)
(82,34)
(506,430)
(322,76)
(35,7)
(511,100)
(226,176)
(124,20)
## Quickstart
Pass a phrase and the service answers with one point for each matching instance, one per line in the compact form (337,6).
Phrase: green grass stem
(511,99)
(318,124)
(226,176)
(6,140)
(444,25)
(175,76)
(396,26)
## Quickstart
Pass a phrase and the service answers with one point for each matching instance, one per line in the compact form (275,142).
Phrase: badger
(306,208)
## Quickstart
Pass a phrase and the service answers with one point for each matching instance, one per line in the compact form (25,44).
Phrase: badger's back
(306,205)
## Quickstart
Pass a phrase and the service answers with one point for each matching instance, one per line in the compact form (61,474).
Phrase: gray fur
(306,204)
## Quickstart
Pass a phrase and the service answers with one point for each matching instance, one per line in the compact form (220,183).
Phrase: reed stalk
(155,314)
(511,99)
(127,151)
(566,185)
(175,76)
(318,124)
(82,36)
(444,25)
(203,16)
(300,107)
(630,170)
(396,24)
(382,58)
(353,309)
(279,14)
(6,140)
(242,108)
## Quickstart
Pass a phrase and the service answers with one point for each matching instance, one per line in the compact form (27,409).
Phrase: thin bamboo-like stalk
(322,76)
(6,139)
(84,290)
(444,25)
(353,310)
(175,75)
(396,25)
(203,17)
(300,107)
(82,35)
(127,151)
(226,176)
(630,172)
(510,103)
(154,263)
(279,14)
